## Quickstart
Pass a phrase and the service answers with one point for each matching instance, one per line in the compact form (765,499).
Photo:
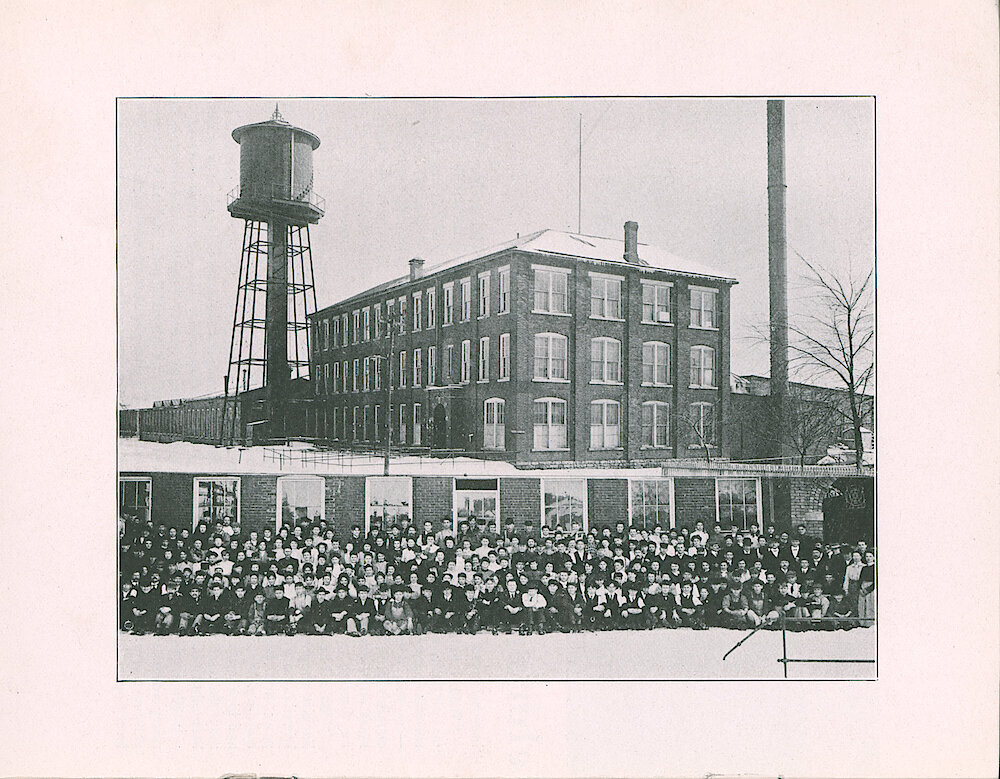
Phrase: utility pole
(391,324)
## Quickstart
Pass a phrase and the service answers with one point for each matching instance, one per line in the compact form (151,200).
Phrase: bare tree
(835,341)
(803,427)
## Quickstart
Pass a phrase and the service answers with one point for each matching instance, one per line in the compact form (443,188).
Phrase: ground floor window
(477,499)
(417,426)
(564,502)
(738,503)
(217,500)
(388,499)
(300,499)
(135,498)
(651,503)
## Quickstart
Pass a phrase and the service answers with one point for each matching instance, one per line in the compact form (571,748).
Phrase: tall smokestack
(631,243)
(777,260)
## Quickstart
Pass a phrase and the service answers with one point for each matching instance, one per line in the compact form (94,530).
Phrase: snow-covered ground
(659,654)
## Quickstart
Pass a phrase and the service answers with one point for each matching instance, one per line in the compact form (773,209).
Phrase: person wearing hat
(690,612)
(277,612)
(398,615)
(448,611)
(189,618)
(510,605)
(734,606)
(237,605)
(213,606)
(363,613)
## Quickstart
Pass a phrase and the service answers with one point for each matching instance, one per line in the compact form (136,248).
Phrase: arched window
(703,367)
(550,424)
(655,364)
(605,361)
(604,424)
(494,428)
(550,357)
(656,424)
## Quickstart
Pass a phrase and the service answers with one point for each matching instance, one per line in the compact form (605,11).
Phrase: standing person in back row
(866,590)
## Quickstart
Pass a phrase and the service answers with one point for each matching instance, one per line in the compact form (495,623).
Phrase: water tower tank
(276,173)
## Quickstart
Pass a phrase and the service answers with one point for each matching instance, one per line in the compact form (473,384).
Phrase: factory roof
(556,243)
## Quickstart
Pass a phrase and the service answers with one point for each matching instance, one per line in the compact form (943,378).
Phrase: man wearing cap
(533,614)
(734,606)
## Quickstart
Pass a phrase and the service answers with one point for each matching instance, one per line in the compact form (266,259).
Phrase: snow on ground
(182,457)
(658,654)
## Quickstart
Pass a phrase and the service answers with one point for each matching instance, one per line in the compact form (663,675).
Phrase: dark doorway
(849,512)
(439,431)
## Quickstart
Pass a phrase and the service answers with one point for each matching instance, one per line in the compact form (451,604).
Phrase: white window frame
(550,361)
(483,372)
(449,362)
(757,495)
(366,418)
(282,480)
(431,309)
(326,378)
(417,429)
(390,311)
(336,377)
(431,366)
(357,367)
(326,334)
(356,321)
(484,295)
(366,376)
(697,377)
(401,428)
(666,287)
(602,280)
(551,272)
(605,344)
(416,312)
(377,361)
(657,406)
(550,402)
(377,328)
(403,368)
(377,421)
(196,483)
(417,367)
(466,309)
(503,358)
(368,496)
(605,404)
(448,304)
(655,364)
(703,293)
(366,323)
(344,329)
(633,479)
(497,442)
(455,491)
(402,315)
(713,439)
(503,290)
(586,499)
(346,377)
(465,366)
(148,481)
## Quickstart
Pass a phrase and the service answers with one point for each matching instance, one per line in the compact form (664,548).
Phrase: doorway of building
(440,427)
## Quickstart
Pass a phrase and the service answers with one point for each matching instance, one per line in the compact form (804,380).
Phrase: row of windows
(549,432)
(563,501)
(408,369)
(550,294)
(551,363)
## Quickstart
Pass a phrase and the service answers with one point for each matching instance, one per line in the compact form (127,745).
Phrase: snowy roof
(557,243)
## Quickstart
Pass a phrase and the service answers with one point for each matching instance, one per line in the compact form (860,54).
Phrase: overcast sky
(441,178)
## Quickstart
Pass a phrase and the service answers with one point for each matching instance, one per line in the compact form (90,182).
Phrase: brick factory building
(552,348)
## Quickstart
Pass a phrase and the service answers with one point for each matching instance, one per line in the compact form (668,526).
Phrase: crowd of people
(400,578)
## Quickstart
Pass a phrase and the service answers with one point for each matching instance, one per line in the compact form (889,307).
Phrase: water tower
(275,293)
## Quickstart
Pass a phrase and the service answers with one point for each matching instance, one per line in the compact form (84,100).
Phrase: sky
(439,178)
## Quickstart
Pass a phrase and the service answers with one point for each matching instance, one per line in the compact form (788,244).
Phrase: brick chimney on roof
(416,268)
(631,242)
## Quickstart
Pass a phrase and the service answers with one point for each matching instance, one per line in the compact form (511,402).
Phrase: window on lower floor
(550,424)
(417,423)
(494,429)
(217,500)
(604,424)
(475,500)
(738,502)
(135,498)
(300,500)
(564,503)
(651,503)
(388,499)
(656,424)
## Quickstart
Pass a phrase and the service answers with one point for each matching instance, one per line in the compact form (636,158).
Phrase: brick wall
(607,502)
(345,504)
(695,501)
(806,503)
(521,500)
(173,499)
(260,502)
(432,498)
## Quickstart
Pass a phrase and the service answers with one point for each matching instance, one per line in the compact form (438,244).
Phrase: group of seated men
(399,578)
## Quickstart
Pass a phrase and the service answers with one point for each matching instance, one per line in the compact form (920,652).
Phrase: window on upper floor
(356,335)
(550,357)
(503,284)
(503,370)
(551,287)
(656,364)
(604,424)
(466,362)
(656,424)
(494,431)
(605,296)
(431,309)
(466,299)
(449,303)
(703,367)
(703,307)
(417,367)
(702,424)
(431,366)
(417,312)
(605,361)
(549,424)
(366,318)
(656,302)
(378,321)
(484,295)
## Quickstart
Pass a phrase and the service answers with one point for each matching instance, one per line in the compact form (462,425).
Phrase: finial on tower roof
(276,116)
